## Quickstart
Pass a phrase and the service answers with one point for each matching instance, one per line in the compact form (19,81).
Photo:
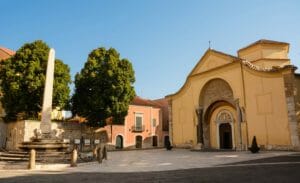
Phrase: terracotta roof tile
(144,102)
(5,53)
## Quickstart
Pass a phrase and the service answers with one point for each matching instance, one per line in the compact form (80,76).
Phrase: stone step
(15,152)
(16,156)
(38,159)
(38,154)
(13,155)
(13,158)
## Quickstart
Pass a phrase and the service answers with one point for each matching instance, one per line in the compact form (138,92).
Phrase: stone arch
(119,142)
(207,118)
(215,93)
(225,140)
(215,90)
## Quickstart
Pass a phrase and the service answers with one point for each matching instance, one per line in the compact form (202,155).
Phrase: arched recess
(215,93)
(224,128)
(119,142)
(214,90)
(207,118)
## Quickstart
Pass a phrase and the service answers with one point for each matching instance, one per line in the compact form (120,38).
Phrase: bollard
(104,152)
(95,151)
(99,155)
(32,159)
(74,158)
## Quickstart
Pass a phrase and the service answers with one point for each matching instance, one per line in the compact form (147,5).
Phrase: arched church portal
(225,132)
(214,94)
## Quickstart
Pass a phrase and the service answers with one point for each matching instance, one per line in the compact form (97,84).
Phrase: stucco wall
(15,134)
(129,136)
(266,108)
(3,130)
(264,51)
(271,63)
(185,103)
(261,96)
(251,54)
(22,131)
(280,52)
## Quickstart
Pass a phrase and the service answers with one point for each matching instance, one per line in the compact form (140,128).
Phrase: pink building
(145,126)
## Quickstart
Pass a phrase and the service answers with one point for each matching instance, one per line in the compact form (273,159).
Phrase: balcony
(138,128)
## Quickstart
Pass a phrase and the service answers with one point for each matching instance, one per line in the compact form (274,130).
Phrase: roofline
(214,51)
(198,74)
(273,69)
(152,106)
(263,41)
(206,52)
(5,50)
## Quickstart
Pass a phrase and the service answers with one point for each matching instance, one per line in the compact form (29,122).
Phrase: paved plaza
(160,165)
(162,160)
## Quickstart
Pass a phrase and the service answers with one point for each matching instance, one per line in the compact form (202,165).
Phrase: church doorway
(225,136)
(119,142)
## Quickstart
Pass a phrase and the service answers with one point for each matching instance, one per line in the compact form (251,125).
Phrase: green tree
(104,88)
(23,80)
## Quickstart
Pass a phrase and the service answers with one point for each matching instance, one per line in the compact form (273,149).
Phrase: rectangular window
(138,122)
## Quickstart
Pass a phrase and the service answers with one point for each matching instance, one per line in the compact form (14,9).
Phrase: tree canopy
(23,80)
(104,88)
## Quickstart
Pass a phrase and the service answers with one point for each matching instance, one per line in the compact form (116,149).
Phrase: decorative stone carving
(37,133)
(199,112)
(214,90)
(224,117)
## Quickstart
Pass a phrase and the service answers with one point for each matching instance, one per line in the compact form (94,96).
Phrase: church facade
(227,100)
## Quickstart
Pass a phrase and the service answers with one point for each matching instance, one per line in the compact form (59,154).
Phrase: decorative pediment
(212,59)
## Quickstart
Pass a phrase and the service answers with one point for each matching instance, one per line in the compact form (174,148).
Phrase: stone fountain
(45,138)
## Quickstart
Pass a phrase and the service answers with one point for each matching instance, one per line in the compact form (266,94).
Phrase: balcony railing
(138,128)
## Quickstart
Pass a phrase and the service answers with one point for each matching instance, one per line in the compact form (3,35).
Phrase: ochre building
(227,100)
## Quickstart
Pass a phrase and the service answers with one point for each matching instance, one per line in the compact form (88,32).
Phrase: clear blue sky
(164,39)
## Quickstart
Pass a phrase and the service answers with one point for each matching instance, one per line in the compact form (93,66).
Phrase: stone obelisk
(47,101)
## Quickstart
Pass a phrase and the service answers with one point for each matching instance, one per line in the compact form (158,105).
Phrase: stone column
(288,78)
(239,125)
(47,100)
(200,139)
(170,121)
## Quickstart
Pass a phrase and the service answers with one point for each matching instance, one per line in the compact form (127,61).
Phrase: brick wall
(297,99)
(290,91)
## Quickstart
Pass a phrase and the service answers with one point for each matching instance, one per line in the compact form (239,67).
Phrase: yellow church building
(227,100)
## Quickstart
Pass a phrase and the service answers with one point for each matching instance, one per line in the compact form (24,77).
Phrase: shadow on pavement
(277,159)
